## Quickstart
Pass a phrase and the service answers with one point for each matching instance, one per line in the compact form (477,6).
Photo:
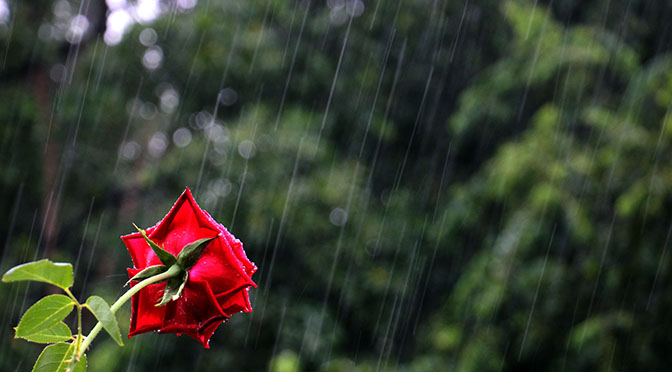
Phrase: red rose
(217,284)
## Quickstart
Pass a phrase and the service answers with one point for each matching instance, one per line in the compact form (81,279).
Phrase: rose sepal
(191,252)
(164,256)
(148,273)
(187,258)
(174,288)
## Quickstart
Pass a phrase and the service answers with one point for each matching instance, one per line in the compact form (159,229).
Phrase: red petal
(194,311)
(235,301)
(145,317)
(220,268)
(204,336)
(237,247)
(206,221)
(182,225)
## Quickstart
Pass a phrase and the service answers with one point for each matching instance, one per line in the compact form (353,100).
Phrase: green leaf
(101,310)
(44,314)
(192,252)
(58,274)
(59,332)
(164,256)
(148,272)
(56,358)
(173,289)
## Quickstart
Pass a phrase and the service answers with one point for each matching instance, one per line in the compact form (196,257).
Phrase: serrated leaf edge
(43,279)
(114,333)
(71,303)
(28,337)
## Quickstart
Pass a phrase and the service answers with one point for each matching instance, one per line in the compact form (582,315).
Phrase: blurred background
(425,185)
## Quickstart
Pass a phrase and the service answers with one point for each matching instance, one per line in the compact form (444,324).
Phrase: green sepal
(164,256)
(192,252)
(148,272)
(177,295)
(173,289)
(58,358)
(101,310)
(59,332)
(44,314)
(55,273)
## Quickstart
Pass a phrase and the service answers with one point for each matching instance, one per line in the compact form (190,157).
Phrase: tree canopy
(425,185)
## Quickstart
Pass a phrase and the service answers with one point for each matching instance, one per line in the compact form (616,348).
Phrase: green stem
(78,340)
(67,292)
(79,328)
(171,272)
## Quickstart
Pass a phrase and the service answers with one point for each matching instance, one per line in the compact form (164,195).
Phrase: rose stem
(171,272)
(79,317)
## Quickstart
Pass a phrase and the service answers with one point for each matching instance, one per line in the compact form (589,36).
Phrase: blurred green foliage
(425,186)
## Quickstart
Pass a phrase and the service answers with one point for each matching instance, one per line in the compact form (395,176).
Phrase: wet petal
(220,268)
(235,301)
(194,311)
(145,317)
(182,224)
(237,247)
(204,336)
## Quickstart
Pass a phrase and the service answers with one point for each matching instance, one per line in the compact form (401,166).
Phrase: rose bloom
(217,284)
